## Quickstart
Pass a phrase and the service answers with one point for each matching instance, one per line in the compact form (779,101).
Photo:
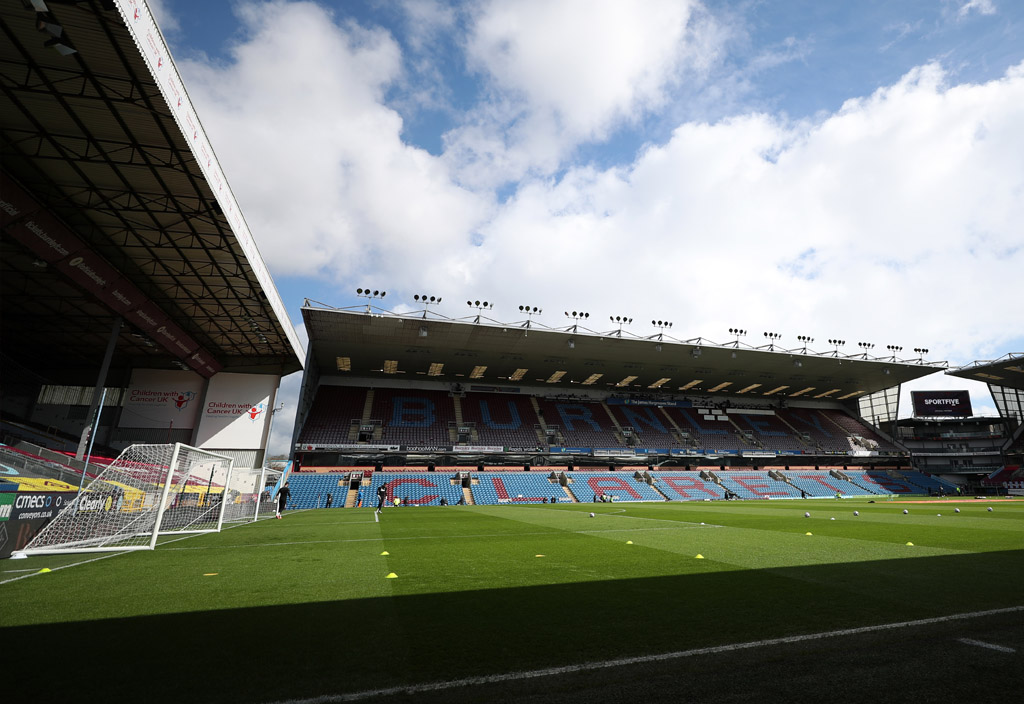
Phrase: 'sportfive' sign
(941,404)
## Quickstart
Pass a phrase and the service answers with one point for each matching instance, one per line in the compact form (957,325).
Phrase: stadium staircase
(467,494)
(798,434)
(684,440)
(710,476)
(750,441)
(620,435)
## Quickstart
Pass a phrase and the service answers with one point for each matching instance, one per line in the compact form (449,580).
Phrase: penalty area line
(637,660)
(983,644)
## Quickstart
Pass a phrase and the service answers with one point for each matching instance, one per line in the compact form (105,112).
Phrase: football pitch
(701,601)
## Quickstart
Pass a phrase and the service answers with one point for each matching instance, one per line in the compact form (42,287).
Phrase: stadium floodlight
(806,340)
(576,316)
(480,306)
(370,295)
(921,352)
(620,320)
(865,346)
(426,301)
(530,312)
(662,326)
(772,337)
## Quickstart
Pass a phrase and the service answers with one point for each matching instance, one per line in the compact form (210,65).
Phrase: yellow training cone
(385,553)
(911,544)
(699,557)
(538,556)
(45,569)
(391,575)
(629,542)
(808,533)
(210,574)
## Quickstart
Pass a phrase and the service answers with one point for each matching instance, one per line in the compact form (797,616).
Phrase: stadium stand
(855,428)
(711,429)
(652,430)
(413,417)
(757,485)
(332,414)
(769,432)
(819,483)
(517,488)
(927,482)
(687,487)
(508,420)
(419,488)
(877,481)
(310,490)
(820,431)
(619,485)
(581,423)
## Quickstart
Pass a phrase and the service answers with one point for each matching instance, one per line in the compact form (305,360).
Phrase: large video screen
(941,404)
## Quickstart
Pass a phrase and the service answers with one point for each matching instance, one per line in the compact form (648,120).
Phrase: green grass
(307,595)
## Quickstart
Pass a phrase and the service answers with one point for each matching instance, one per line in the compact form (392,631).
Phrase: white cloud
(893,221)
(570,72)
(982,7)
(315,158)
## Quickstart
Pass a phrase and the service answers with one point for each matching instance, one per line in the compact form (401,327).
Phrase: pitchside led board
(227,411)
(941,404)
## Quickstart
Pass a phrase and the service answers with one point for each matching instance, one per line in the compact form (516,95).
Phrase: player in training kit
(382,495)
(282,498)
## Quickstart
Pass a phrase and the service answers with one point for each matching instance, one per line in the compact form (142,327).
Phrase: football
(591,515)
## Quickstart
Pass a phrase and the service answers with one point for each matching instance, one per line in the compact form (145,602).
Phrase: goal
(149,490)
(248,495)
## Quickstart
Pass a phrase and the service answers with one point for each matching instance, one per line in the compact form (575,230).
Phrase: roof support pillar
(93,417)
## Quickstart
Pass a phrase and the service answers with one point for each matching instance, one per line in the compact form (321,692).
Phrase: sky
(835,170)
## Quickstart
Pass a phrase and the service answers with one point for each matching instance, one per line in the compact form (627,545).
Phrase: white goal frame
(148,491)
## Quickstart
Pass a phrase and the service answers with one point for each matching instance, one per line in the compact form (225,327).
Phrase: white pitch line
(982,644)
(103,557)
(439,537)
(637,660)
(63,567)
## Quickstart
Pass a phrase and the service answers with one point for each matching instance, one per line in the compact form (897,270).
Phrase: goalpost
(149,490)
(249,495)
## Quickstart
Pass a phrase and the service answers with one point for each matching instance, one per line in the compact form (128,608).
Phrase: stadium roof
(114,205)
(1007,371)
(417,347)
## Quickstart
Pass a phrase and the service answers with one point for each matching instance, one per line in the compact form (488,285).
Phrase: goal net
(147,491)
(246,497)
(272,481)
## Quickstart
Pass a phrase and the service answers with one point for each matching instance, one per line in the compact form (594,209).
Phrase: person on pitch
(382,496)
(282,498)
